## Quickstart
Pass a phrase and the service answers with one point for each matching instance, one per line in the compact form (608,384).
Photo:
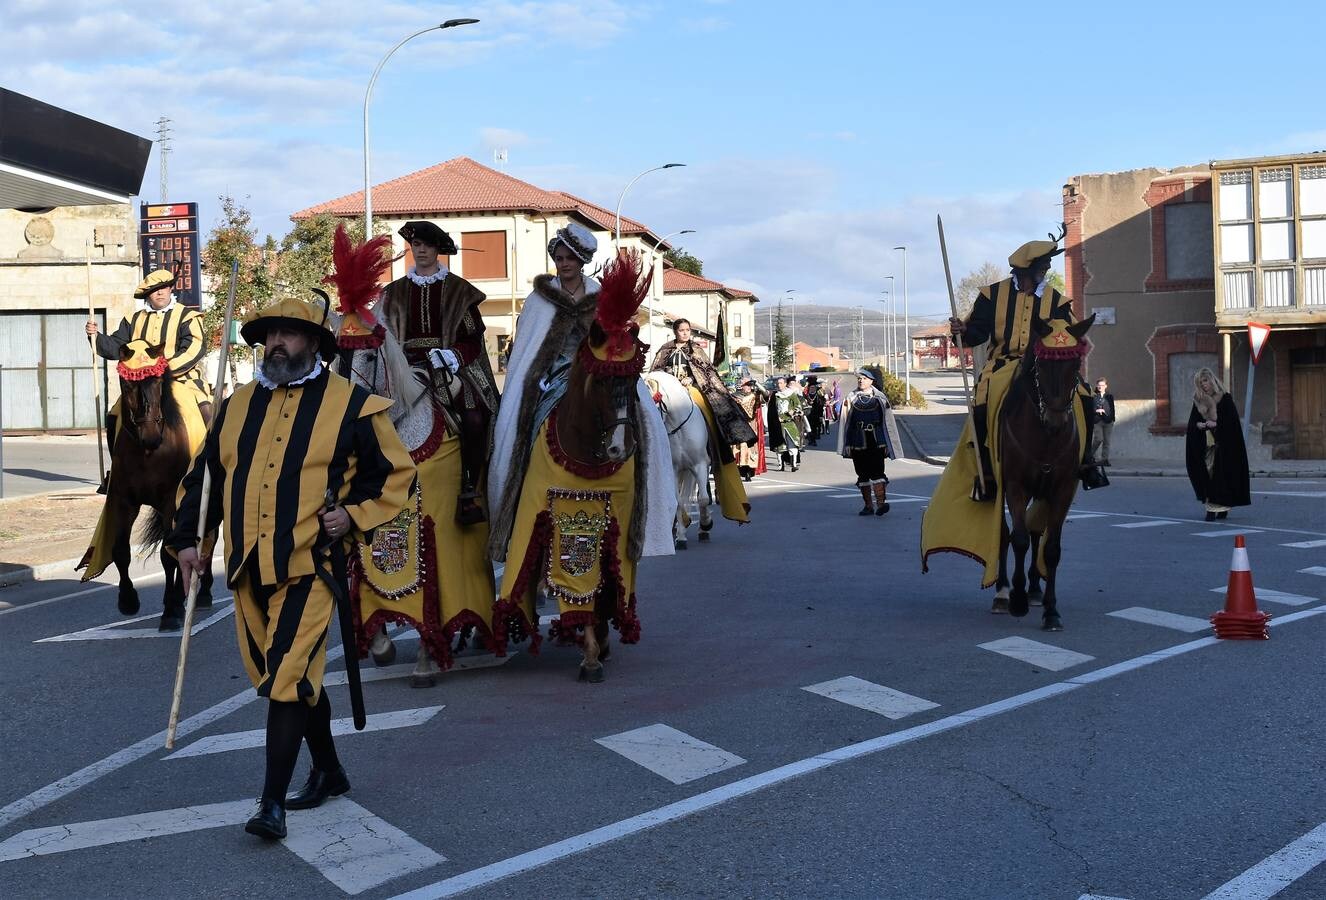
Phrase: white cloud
(497,138)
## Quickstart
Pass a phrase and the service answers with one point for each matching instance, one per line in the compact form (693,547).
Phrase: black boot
(318,787)
(869,508)
(269,821)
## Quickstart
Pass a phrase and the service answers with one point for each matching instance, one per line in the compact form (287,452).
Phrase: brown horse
(1040,459)
(152,453)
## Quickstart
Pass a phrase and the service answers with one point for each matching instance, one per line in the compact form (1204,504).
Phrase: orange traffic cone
(1240,619)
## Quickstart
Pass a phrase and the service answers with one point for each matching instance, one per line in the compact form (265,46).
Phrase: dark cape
(729,418)
(1227,485)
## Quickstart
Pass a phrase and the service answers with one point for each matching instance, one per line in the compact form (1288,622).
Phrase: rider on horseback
(163,323)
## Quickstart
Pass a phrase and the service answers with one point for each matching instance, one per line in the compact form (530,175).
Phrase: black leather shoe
(318,788)
(268,822)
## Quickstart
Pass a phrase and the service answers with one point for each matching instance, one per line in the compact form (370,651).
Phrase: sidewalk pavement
(43,536)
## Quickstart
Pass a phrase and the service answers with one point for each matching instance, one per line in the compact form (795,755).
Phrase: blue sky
(816,137)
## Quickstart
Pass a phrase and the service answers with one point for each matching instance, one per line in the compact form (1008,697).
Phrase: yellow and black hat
(1033,252)
(309,317)
(155,281)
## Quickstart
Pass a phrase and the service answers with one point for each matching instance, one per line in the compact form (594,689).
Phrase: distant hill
(834,326)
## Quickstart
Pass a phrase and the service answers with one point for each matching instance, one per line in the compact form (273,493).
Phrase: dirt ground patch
(47,528)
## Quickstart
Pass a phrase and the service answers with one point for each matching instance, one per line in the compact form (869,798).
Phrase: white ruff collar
(165,309)
(262,379)
(423,280)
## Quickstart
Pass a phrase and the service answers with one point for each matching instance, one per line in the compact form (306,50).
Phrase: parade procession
(688,467)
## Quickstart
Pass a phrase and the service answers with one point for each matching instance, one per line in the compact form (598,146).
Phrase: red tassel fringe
(432,442)
(509,620)
(583,470)
(156,370)
(1082,348)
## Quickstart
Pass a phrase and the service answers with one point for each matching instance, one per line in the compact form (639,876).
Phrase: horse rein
(663,409)
(1041,406)
(154,420)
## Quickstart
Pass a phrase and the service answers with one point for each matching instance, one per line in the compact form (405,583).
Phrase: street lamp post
(368,93)
(649,337)
(890,345)
(792,304)
(906,328)
(617,228)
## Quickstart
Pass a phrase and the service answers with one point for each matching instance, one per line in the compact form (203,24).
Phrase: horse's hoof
(423,681)
(704,535)
(680,545)
(170,622)
(1052,623)
(1018,606)
(128,603)
(999,607)
(707,526)
(385,658)
(203,601)
(593,676)
(1036,598)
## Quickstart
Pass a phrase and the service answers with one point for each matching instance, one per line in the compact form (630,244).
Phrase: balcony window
(1314,287)
(1236,196)
(1277,288)
(1275,197)
(1238,289)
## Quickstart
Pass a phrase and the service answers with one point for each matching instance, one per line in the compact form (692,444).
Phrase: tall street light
(906,327)
(888,358)
(891,345)
(792,304)
(617,229)
(649,337)
(368,93)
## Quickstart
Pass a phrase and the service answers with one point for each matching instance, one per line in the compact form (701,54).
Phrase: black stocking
(319,736)
(286,724)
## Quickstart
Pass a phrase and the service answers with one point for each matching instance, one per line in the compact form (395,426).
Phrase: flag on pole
(720,360)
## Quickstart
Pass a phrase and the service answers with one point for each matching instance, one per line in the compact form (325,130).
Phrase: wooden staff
(192,600)
(966,386)
(96,383)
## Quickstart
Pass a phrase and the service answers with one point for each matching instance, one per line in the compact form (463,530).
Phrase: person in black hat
(435,314)
(868,435)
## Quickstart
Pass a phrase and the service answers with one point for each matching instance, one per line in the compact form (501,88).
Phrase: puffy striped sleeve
(383,471)
(189,345)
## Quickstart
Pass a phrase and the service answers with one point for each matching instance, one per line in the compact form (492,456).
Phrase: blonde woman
(1216,457)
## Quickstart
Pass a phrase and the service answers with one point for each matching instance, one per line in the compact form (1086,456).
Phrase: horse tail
(153,532)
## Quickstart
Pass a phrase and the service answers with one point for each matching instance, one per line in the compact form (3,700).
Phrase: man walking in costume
(868,435)
(435,314)
(1001,319)
(284,445)
(727,421)
(162,322)
(787,423)
(750,456)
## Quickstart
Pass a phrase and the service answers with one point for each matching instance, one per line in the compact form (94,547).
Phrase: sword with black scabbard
(336,581)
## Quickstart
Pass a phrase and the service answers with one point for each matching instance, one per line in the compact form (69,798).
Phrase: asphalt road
(1153,764)
(35,464)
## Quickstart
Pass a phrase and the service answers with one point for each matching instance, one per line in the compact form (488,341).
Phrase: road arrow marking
(347,844)
(674,754)
(1278,871)
(1045,656)
(247,740)
(867,695)
(1313,570)
(1305,545)
(1189,624)
(113,631)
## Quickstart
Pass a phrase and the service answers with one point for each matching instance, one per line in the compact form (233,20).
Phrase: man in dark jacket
(1103,411)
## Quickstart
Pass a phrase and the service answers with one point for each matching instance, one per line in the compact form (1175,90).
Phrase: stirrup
(468,510)
(1093,477)
(984,493)
(104,487)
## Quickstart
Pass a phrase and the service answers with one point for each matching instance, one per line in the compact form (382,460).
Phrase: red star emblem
(1061,338)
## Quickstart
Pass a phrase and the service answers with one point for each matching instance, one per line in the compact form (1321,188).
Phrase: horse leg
(204,598)
(1050,620)
(601,635)
(684,491)
(1000,604)
(128,599)
(703,499)
(425,670)
(591,667)
(1020,539)
(381,647)
(1035,596)
(172,613)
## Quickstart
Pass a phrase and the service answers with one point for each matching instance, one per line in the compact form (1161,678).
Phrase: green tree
(305,254)
(1056,281)
(234,238)
(780,353)
(966,290)
(680,259)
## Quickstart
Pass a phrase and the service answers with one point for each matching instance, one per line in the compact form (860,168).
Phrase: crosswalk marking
(674,754)
(112,631)
(876,698)
(1074,517)
(1152,523)
(1226,532)
(1272,596)
(1046,656)
(1189,624)
(245,740)
(1306,545)
(346,843)
(1314,570)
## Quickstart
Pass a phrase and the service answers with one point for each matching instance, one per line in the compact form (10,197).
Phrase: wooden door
(1309,386)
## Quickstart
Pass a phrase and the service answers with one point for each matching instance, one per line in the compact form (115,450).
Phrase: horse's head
(1054,364)
(143,372)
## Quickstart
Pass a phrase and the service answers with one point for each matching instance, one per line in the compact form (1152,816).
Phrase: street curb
(43,572)
(925,457)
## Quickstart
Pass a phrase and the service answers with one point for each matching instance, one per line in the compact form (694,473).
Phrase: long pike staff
(966,385)
(192,599)
(96,383)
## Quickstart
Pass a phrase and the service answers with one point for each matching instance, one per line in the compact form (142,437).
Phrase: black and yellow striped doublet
(178,329)
(1002,317)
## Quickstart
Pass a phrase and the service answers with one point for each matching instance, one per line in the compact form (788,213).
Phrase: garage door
(45,381)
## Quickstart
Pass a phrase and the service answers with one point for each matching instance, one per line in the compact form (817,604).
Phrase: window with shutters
(483,255)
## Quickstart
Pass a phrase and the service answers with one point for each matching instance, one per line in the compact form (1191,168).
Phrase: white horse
(688,438)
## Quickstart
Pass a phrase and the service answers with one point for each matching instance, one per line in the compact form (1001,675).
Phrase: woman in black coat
(1215,454)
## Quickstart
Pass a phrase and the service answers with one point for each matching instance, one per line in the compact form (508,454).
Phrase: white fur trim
(262,379)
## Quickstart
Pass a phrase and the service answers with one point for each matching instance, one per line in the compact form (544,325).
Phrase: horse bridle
(662,405)
(1041,406)
(154,420)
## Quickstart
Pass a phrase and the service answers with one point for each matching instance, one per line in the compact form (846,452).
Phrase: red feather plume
(358,273)
(621,291)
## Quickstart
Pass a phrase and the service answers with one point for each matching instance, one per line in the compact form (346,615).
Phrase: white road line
(876,698)
(247,740)
(1273,596)
(1313,570)
(1300,481)
(1312,494)
(1152,523)
(1189,624)
(1279,870)
(36,603)
(112,631)
(1305,545)
(1046,656)
(674,754)
(347,844)
(1226,532)
(1170,520)
(589,840)
(1073,517)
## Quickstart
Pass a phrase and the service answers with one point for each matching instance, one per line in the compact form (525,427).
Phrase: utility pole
(164,150)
